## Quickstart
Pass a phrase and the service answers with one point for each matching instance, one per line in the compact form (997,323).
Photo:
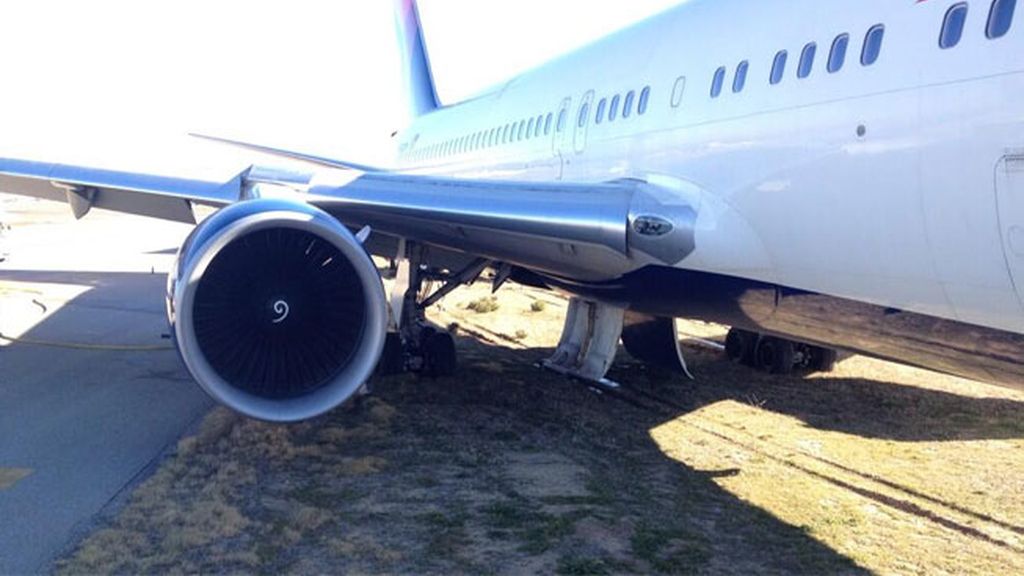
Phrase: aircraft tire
(439,356)
(823,359)
(775,355)
(740,346)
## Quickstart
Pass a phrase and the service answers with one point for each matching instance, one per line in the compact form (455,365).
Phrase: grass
(535,530)
(505,468)
(446,534)
(670,551)
(575,566)
(484,305)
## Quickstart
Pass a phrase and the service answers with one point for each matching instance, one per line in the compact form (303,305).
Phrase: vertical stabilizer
(419,82)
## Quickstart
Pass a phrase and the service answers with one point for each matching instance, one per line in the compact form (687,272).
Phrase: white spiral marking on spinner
(281,309)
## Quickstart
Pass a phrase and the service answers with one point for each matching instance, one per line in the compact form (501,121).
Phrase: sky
(119,83)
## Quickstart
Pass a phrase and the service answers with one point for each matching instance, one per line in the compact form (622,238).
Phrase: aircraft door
(559,135)
(582,122)
(1010,195)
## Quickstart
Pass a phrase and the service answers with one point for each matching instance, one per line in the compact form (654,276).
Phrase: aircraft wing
(584,231)
(144,194)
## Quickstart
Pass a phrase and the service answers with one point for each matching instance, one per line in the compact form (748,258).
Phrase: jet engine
(276,309)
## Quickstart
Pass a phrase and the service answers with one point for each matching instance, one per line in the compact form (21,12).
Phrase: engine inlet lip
(306,218)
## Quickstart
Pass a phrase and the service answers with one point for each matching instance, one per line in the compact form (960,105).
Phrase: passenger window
(547,123)
(627,105)
(778,67)
(584,113)
(837,56)
(561,119)
(953,26)
(806,60)
(540,124)
(504,133)
(999,18)
(677,91)
(613,109)
(872,45)
(740,79)
(716,82)
(600,110)
(522,127)
(529,128)
(645,96)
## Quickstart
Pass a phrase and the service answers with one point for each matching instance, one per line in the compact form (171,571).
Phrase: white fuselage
(899,184)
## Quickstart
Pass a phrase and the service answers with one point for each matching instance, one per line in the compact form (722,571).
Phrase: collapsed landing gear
(777,355)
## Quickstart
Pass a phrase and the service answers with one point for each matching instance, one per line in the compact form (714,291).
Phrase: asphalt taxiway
(91,391)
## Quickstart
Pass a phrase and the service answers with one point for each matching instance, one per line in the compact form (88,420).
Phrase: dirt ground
(507,469)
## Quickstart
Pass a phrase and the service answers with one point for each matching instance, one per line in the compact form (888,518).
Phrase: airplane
(819,176)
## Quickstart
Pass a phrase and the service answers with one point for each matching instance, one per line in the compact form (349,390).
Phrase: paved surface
(78,425)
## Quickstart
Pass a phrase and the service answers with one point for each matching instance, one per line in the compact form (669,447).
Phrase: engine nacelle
(276,309)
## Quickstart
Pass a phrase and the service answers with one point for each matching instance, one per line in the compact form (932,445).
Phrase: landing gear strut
(416,344)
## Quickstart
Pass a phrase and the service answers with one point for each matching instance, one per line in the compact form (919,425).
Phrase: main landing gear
(415,344)
(777,355)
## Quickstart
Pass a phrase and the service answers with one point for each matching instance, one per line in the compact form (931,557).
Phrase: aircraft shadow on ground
(110,290)
(855,406)
(518,391)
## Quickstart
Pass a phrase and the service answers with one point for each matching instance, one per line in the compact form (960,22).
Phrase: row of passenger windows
(1000,16)
(608,109)
(869,54)
(512,132)
(541,125)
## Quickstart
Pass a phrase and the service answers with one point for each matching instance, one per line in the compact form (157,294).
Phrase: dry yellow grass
(506,469)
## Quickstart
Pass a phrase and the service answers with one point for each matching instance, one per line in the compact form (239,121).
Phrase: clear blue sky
(117,82)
